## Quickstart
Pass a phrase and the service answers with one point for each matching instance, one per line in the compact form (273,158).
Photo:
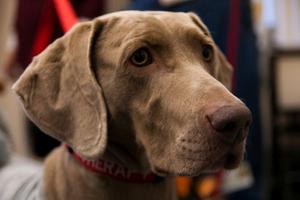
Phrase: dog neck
(67,178)
(115,171)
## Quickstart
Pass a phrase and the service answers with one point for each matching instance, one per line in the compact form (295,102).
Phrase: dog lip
(234,156)
(229,158)
(232,161)
(207,165)
(160,171)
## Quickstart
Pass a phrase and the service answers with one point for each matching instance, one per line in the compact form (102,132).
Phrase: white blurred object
(287,24)
(287,79)
(23,182)
(237,179)
(268,14)
(264,20)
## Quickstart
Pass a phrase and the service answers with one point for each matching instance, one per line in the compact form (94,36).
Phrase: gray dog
(137,98)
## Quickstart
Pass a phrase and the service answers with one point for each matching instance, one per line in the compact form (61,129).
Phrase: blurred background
(261,39)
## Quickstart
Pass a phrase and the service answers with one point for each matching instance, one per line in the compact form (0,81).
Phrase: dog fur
(86,91)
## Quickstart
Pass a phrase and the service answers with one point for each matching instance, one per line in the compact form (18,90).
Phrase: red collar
(115,171)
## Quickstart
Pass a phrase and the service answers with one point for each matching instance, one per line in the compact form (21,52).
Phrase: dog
(136,98)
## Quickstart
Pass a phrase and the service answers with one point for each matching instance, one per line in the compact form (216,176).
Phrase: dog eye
(141,57)
(207,52)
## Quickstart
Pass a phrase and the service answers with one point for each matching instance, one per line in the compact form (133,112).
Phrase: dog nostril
(223,124)
(231,122)
(229,126)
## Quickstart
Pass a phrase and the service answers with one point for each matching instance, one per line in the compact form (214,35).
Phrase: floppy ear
(196,19)
(224,70)
(61,96)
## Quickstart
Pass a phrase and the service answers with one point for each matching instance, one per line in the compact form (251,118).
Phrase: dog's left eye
(141,57)
(207,52)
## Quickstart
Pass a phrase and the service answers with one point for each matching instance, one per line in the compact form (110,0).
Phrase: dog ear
(59,92)
(196,19)
(224,70)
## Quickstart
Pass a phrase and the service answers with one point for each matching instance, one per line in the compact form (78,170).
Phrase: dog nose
(231,122)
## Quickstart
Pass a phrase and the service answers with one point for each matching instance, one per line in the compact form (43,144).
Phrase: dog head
(150,82)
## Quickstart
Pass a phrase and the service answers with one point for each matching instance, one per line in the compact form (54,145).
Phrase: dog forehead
(163,25)
(155,19)
(136,14)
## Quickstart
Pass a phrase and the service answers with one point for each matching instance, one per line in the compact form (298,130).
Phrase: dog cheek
(154,135)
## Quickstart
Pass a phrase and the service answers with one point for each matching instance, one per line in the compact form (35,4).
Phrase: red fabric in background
(233,43)
(52,8)
(29,14)
(45,28)
(66,14)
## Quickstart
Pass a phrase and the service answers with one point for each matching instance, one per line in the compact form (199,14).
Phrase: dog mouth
(228,160)
(234,156)
(160,171)
(191,161)
(232,161)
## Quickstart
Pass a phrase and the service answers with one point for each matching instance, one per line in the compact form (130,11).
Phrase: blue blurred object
(215,14)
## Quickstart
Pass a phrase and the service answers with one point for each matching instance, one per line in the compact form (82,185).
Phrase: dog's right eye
(141,57)
(207,52)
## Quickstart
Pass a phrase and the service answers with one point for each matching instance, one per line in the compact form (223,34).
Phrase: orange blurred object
(183,186)
(206,187)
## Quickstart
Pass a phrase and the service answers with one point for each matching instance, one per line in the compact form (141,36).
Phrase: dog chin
(194,173)
(188,171)
(192,167)
(198,172)
(227,165)
(228,162)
